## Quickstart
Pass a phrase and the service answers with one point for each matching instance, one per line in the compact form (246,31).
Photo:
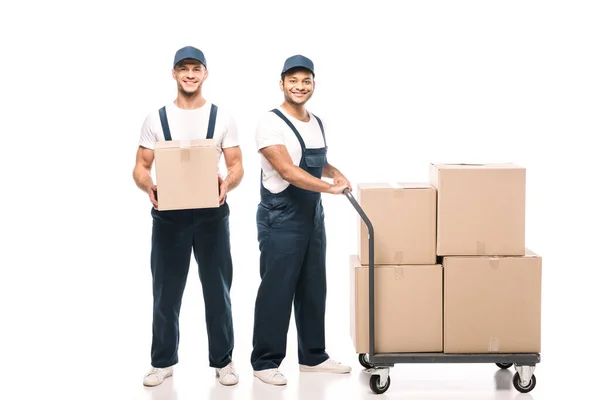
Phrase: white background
(400,84)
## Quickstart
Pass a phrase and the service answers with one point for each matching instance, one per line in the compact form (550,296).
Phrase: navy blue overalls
(174,235)
(292,242)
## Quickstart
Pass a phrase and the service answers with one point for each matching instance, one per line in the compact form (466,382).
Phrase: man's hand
(340,179)
(338,188)
(153,194)
(223,189)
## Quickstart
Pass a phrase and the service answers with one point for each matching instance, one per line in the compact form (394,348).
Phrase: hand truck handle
(369,225)
(361,212)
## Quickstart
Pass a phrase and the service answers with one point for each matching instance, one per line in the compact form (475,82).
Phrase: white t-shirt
(273,130)
(190,125)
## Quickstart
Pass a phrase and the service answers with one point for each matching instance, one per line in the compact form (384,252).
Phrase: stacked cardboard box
(408,295)
(492,282)
(481,294)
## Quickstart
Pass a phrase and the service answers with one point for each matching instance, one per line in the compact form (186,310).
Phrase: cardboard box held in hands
(187,174)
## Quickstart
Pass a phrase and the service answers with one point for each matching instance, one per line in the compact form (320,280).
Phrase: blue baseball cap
(189,52)
(298,61)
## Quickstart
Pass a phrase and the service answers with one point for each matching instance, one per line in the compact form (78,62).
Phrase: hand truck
(378,364)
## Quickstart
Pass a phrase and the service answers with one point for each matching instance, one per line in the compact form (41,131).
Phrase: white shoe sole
(304,368)
(229,384)
(271,383)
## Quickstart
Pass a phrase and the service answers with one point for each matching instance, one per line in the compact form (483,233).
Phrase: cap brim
(189,58)
(298,66)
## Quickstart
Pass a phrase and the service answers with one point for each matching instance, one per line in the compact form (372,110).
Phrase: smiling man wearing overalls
(175,234)
(291,231)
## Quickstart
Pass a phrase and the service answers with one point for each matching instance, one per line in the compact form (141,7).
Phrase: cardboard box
(492,304)
(404,221)
(481,209)
(186,174)
(408,308)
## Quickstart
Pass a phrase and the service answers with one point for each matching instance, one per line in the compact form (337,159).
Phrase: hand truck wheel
(518,385)
(375,384)
(362,359)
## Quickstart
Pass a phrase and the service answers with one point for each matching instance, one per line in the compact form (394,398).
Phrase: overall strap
(287,121)
(165,123)
(322,129)
(211,122)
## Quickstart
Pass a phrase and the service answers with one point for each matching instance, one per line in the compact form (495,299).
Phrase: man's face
(189,74)
(298,87)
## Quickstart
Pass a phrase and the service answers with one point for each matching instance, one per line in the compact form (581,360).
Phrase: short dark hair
(294,70)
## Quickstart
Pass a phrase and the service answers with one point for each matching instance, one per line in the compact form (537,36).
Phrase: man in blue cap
(175,234)
(291,231)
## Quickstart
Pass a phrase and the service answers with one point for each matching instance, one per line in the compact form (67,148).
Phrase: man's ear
(281,85)
(173,73)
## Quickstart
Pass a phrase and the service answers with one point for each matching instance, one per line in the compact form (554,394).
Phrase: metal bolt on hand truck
(378,364)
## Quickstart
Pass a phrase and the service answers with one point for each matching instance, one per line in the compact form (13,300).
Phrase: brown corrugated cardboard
(481,209)
(186,174)
(408,308)
(492,304)
(404,221)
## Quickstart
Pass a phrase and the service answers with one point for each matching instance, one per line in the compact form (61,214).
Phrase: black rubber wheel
(504,365)
(374,384)
(363,361)
(517,384)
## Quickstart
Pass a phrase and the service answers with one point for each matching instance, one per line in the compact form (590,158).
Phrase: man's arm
(235,171)
(329,171)
(141,172)
(143,165)
(280,159)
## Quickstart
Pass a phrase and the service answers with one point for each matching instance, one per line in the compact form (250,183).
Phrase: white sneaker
(156,376)
(271,376)
(227,375)
(328,365)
